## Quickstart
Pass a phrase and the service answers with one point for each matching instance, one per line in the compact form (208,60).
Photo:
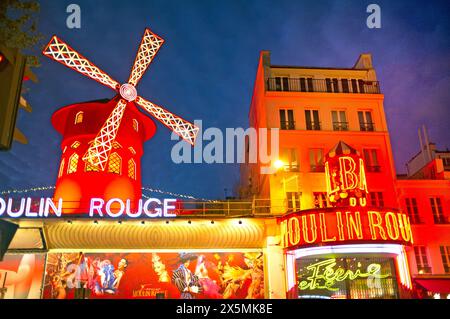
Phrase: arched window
(79,117)
(61,168)
(88,167)
(135,125)
(131,169)
(73,163)
(114,164)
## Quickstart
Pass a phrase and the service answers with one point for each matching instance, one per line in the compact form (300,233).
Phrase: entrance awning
(435,285)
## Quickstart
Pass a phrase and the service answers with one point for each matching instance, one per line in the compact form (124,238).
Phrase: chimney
(427,142)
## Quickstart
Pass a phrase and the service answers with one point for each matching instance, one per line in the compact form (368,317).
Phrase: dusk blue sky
(207,66)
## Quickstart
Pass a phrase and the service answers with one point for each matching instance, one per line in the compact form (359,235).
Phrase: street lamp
(278,164)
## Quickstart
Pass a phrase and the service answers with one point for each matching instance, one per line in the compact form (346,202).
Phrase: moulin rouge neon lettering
(342,225)
(112,208)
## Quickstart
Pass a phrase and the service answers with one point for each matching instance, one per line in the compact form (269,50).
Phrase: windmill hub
(128,92)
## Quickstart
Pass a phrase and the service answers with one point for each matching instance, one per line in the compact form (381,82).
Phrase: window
(354,86)
(376,199)
(445,255)
(436,208)
(75,144)
(371,160)
(413,212)
(339,121)
(61,168)
(281,83)
(306,85)
(114,164)
(79,117)
(321,200)
(332,85)
(293,201)
(73,163)
(316,160)
(65,149)
(344,83)
(365,121)
(423,267)
(289,157)
(135,125)
(312,120)
(361,86)
(88,167)
(131,169)
(131,149)
(116,145)
(446,161)
(287,120)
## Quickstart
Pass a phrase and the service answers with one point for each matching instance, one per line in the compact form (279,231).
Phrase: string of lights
(147,189)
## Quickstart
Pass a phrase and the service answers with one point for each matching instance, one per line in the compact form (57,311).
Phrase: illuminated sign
(348,276)
(345,176)
(343,225)
(324,275)
(113,208)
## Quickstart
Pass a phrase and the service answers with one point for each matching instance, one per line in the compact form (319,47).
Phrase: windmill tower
(103,140)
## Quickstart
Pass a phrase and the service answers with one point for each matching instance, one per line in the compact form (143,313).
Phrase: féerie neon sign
(112,208)
(324,275)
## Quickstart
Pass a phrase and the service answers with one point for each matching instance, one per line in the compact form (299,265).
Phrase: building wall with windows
(314,109)
(427,203)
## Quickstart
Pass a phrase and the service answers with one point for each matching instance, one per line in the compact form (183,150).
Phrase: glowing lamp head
(128,92)
(278,164)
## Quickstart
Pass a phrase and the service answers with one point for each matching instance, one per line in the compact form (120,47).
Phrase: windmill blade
(148,48)
(184,129)
(98,152)
(61,52)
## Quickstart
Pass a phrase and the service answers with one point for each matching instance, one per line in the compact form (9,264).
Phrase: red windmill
(98,150)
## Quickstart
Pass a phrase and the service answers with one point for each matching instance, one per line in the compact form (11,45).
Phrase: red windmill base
(78,181)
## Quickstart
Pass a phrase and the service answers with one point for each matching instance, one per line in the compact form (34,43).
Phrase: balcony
(322,85)
(317,168)
(340,126)
(367,127)
(439,219)
(313,126)
(287,125)
(423,269)
(290,168)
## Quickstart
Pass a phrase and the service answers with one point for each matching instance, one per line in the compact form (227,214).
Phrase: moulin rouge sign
(112,208)
(350,220)
(334,226)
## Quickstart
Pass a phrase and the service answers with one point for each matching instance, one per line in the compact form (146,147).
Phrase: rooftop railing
(322,85)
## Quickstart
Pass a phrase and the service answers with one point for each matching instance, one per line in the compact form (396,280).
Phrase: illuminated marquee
(334,226)
(345,176)
(323,275)
(113,208)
